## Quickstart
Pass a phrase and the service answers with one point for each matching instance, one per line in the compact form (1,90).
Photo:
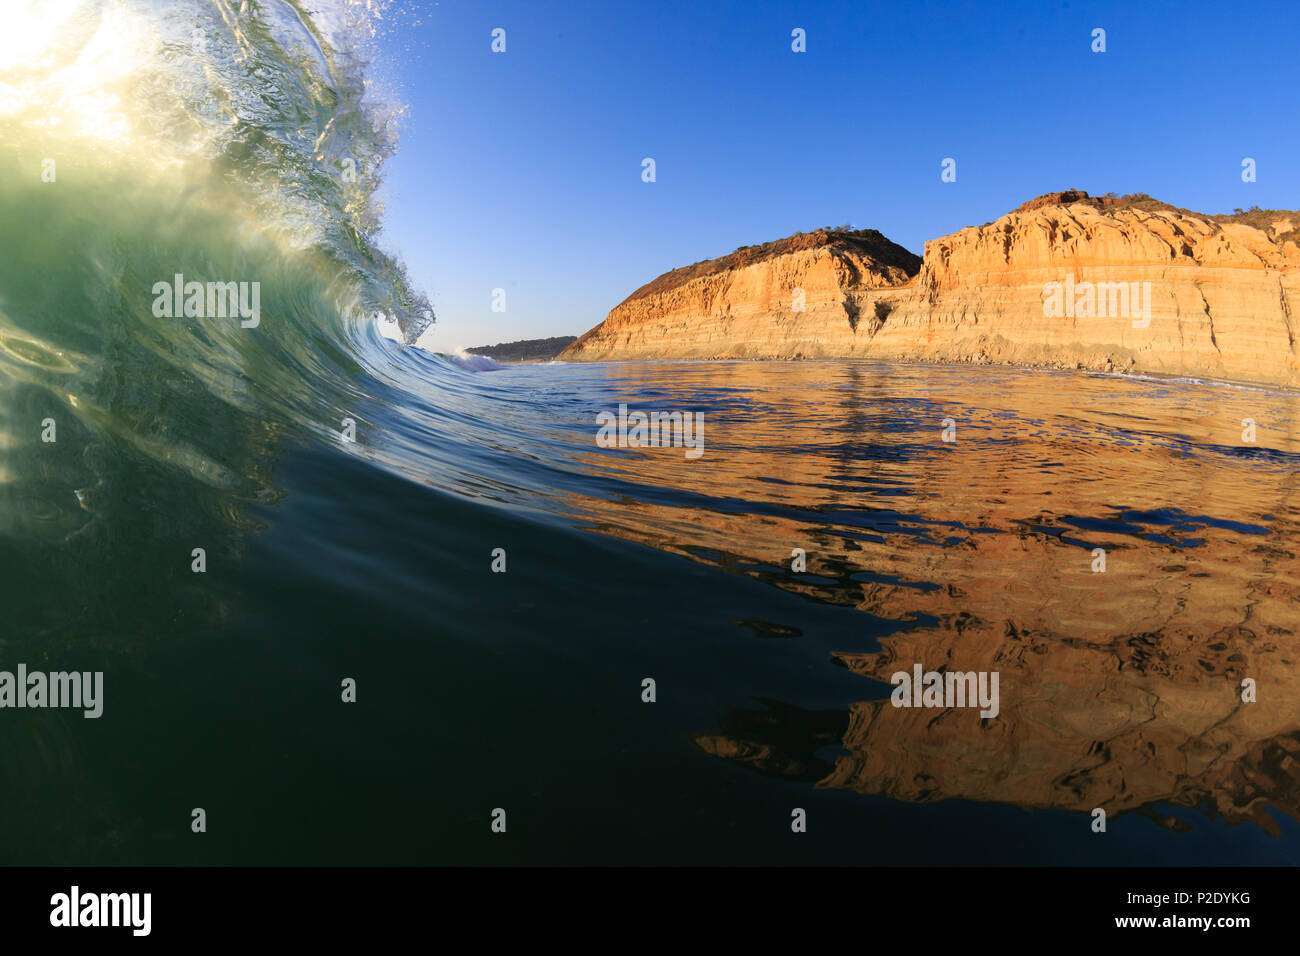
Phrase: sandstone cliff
(1047,284)
(778,300)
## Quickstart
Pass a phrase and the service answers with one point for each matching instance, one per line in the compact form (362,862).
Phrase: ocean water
(351,495)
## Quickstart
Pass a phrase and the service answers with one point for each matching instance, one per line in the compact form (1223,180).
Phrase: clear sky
(522,170)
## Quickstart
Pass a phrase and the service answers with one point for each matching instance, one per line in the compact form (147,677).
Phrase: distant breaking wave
(474,363)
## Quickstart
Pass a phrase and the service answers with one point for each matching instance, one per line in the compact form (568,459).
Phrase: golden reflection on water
(1120,689)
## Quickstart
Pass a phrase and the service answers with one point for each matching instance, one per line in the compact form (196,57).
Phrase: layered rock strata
(1066,280)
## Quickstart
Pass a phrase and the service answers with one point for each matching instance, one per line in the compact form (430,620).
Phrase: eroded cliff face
(779,300)
(1066,280)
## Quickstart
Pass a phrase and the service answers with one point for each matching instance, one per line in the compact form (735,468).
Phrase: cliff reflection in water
(1119,690)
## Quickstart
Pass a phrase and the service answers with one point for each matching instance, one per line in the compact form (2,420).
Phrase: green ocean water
(522,690)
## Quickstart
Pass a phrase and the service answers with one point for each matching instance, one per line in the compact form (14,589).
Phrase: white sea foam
(474,363)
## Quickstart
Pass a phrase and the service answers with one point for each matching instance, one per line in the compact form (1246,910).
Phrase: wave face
(147,144)
(229,520)
(212,146)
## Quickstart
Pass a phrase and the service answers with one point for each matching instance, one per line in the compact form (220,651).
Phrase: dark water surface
(522,690)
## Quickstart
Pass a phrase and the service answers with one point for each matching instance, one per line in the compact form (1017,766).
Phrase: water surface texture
(522,690)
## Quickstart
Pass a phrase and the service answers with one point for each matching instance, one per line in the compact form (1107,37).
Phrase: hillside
(1152,288)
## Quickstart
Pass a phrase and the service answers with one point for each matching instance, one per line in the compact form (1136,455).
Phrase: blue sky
(522,170)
